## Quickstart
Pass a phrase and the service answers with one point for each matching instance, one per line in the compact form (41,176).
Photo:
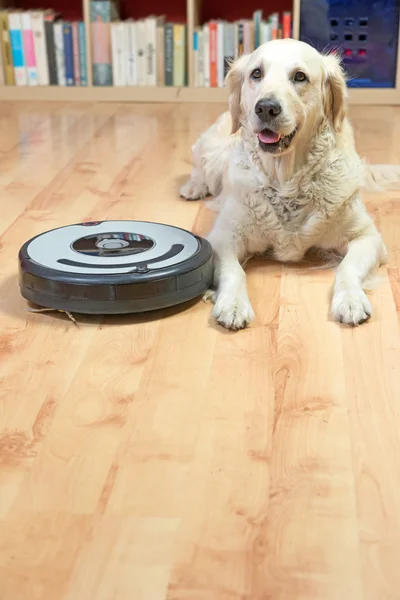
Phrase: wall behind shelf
(233,11)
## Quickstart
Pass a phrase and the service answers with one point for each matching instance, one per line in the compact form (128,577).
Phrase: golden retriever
(288,176)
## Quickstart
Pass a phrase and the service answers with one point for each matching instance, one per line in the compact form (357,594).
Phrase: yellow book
(179,55)
(5,48)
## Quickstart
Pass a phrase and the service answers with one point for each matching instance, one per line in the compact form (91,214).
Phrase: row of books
(39,48)
(217,43)
(143,52)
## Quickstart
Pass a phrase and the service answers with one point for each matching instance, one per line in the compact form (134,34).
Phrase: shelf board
(163,94)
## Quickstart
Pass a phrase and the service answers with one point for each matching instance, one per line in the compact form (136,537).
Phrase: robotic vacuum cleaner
(114,267)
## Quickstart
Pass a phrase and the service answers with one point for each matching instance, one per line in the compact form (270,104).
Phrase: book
(6,49)
(240,38)
(160,56)
(212,32)
(257,18)
(141,73)
(220,53)
(126,51)
(82,53)
(287,25)
(29,48)
(68,53)
(37,19)
(179,76)
(196,68)
(132,53)
(2,79)
(206,55)
(102,13)
(17,48)
(59,50)
(229,46)
(76,52)
(200,74)
(169,54)
(49,21)
(150,49)
(117,41)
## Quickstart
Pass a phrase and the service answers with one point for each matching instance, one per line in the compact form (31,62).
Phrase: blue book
(68,54)
(17,48)
(82,53)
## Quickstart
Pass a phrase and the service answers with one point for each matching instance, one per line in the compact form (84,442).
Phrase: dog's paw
(234,313)
(194,190)
(351,307)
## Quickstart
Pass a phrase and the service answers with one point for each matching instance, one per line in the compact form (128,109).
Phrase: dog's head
(281,92)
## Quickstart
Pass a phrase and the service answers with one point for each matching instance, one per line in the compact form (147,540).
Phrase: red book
(287,25)
(212,27)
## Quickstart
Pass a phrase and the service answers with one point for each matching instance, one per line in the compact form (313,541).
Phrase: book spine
(82,53)
(132,56)
(2,78)
(160,56)
(68,54)
(59,48)
(240,38)
(6,47)
(206,54)
(169,54)
(257,28)
(274,26)
(229,46)
(220,54)
(37,18)
(29,48)
(179,55)
(287,25)
(246,38)
(117,39)
(141,53)
(196,57)
(51,51)
(126,49)
(212,28)
(201,58)
(17,49)
(101,13)
(75,50)
(151,27)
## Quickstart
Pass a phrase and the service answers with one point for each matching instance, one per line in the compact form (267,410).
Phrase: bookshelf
(194,11)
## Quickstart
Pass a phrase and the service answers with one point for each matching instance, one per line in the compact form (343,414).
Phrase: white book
(141,76)
(59,47)
(206,55)
(201,59)
(220,54)
(128,55)
(266,32)
(37,19)
(117,41)
(17,48)
(29,50)
(151,42)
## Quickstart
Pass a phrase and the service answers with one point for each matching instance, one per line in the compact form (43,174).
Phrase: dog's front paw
(351,307)
(233,313)
(194,190)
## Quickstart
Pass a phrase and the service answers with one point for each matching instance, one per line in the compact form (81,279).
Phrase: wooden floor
(160,457)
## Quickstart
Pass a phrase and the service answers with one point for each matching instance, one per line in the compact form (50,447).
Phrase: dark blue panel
(364,32)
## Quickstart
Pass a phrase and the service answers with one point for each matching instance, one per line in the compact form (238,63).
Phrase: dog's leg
(232,305)
(196,187)
(365,253)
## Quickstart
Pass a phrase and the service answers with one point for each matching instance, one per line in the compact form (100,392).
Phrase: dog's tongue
(268,137)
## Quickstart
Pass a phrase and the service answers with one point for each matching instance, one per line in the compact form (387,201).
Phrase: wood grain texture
(158,457)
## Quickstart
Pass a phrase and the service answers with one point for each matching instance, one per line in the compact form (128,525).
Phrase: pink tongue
(268,137)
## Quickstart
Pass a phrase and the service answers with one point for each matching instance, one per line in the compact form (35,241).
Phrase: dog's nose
(268,108)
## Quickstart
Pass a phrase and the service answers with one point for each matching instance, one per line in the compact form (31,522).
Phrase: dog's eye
(300,77)
(256,74)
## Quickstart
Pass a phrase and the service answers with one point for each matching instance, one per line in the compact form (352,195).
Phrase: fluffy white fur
(303,196)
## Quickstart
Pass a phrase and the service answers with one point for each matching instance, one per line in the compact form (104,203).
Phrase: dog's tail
(382,177)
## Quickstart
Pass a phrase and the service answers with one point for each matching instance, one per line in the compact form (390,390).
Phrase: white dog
(284,165)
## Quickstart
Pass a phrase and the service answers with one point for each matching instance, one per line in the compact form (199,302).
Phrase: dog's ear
(335,91)
(234,81)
